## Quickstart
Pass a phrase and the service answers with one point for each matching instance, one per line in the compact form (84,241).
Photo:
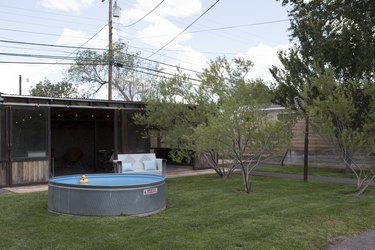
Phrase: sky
(253,29)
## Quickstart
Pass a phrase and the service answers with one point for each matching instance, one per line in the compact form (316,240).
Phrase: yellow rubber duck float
(83,179)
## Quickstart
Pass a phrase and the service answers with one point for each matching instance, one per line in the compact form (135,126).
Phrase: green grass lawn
(203,212)
(331,172)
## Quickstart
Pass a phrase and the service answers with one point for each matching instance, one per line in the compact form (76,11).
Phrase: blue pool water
(109,180)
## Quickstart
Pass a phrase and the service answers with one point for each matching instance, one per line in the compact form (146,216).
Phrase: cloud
(31,74)
(263,56)
(78,38)
(66,5)
(158,27)
(161,32)
(170,8)
(72,37)
(191,59)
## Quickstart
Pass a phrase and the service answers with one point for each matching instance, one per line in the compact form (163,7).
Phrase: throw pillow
(149,165)
(126,167)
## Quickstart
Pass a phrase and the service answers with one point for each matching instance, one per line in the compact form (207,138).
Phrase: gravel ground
(364,241)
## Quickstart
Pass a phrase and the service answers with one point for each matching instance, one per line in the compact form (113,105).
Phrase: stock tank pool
(107,194)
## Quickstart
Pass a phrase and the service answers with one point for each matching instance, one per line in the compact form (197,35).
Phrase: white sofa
(145,163)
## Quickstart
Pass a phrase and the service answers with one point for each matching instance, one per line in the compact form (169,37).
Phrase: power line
(51,13)
(188,32)
(35,56)
(129,25)
(90,48)
(181,50)
(36,49)
(152,70)
(246,31)
(174,38)
(76,48)
(74,58)
(163,63)
(240,26)
(43,18)
(83,44)
(41,63)
(162,55)
(104,64)
(218,28)
(118,64)
(155,36)
(39,24)
(201,51)
(49,45)
(40,33)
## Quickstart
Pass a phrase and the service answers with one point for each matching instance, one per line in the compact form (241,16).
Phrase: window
(29,133)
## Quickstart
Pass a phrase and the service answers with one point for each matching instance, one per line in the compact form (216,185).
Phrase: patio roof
(18,100)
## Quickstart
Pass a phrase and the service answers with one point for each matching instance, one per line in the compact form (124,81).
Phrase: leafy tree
(48,89)
(335,115)
(174,109)
(290,82)
(129,77)
(332,35)
(224,115)
(242,133)
(337,34)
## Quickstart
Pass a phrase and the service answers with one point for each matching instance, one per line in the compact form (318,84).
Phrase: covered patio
(43,137)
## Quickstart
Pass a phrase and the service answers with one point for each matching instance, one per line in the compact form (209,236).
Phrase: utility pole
(110,50)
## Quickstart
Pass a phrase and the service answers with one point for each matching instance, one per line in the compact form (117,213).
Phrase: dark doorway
(82,140)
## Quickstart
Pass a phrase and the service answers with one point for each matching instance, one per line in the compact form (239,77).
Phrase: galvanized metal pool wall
(104,199)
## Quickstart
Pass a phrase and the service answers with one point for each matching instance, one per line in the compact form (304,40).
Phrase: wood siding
(316,142)
(201,162)
(30,172)
(3,172)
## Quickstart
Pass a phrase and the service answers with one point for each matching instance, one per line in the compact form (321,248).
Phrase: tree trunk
(306,150)
(245,180)
(348,163)
(367,184)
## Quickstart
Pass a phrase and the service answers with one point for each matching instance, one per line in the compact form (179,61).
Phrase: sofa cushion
(127,167)
(149,165)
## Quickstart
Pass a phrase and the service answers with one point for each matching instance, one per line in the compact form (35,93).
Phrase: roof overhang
(34,101)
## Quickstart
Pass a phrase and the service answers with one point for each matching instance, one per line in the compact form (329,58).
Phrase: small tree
(48,89)
(224,115)
(244,134)
(348,124)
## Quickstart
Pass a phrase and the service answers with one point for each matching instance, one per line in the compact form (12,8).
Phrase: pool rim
(119,175)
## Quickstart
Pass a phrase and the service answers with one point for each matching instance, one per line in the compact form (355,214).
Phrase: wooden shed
(42,137)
